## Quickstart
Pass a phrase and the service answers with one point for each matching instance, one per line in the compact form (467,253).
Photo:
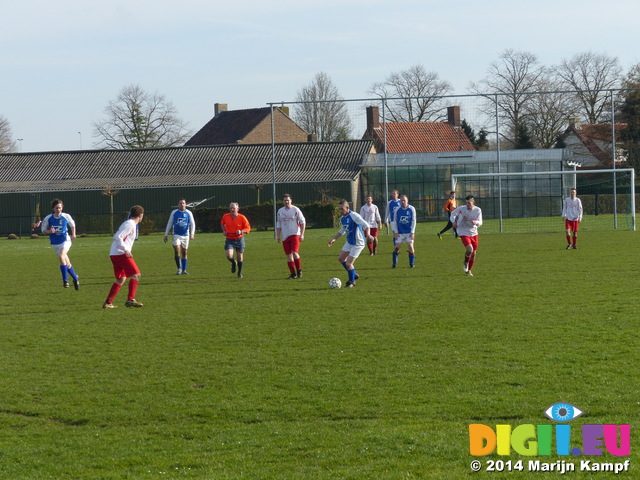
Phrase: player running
(235,226)
(449,206)
(184,229)
(290,227)
(356,229)
(124,266)
(466,219)
(62,231)
(404,229)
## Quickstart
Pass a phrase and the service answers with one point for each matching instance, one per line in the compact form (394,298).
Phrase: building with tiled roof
(249,126)
(417,137)
(591,144)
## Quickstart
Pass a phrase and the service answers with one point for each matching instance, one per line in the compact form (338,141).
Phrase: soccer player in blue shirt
(391,207)
(356,229)
(404,229)
(62,231)
(184,229)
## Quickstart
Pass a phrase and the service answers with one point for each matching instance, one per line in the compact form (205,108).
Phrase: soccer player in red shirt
(235,226)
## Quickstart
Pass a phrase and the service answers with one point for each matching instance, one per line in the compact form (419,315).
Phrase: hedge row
(603,203)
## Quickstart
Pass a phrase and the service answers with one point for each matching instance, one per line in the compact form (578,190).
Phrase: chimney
(312,137)
(373,118)
(219,107)
(284,110)
(453,116)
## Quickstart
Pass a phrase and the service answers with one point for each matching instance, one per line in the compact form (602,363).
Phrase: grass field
(269,378)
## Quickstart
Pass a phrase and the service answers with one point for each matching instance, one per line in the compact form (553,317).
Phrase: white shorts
(354,250)
(182,240)
(404,237)
(62,247)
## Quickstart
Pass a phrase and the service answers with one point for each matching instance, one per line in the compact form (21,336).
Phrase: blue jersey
(404,220)
(391,207)
(181,222)
(61,226)
(353,225)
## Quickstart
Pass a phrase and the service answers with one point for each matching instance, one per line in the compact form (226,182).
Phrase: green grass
(268,378)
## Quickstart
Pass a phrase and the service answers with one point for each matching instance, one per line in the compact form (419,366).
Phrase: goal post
(532,201)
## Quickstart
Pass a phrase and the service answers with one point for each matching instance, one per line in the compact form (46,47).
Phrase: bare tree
(590,74)
(549,112)
(322,111)
(137,119)
(510,79)
(7,144)
(414,94)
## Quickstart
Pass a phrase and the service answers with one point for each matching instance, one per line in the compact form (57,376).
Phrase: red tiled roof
(421,137)
(598,131)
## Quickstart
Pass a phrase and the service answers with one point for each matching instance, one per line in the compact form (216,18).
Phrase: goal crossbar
(455,176)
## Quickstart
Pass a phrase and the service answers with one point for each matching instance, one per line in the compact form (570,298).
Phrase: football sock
(115,288)
(394,255)
(370,247)
(344,264)
(177,259)
(412,258)
(240,268)
(133,286)
(569,239)
(575,240)
(72,272)
(292,267)
(471,263)
(352,275)
(296,262)
(64,270)
(185,262)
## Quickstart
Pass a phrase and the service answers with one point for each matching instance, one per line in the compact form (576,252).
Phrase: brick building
(249,126)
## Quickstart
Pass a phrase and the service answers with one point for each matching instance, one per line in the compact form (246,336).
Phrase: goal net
(524,202)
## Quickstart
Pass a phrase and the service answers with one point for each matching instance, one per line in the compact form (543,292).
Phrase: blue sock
(185,261)
(412,258)
(64,270)
(344,264)
(395,258)
(177,259)
(352,275)
(72,273)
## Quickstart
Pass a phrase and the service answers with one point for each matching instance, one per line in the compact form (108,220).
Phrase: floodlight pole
(384,153)
(613,161)
(633,199)
(273,172)
(499,165)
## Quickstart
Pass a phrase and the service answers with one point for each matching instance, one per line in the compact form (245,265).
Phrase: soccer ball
(335,283)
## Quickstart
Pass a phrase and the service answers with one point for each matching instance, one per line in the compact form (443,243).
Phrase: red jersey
(231,225)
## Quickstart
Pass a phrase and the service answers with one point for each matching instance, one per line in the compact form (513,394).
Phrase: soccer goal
(524,202)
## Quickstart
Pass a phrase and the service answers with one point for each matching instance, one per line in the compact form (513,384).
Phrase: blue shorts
(236,244)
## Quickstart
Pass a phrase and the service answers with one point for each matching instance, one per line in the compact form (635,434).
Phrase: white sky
(62,61)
